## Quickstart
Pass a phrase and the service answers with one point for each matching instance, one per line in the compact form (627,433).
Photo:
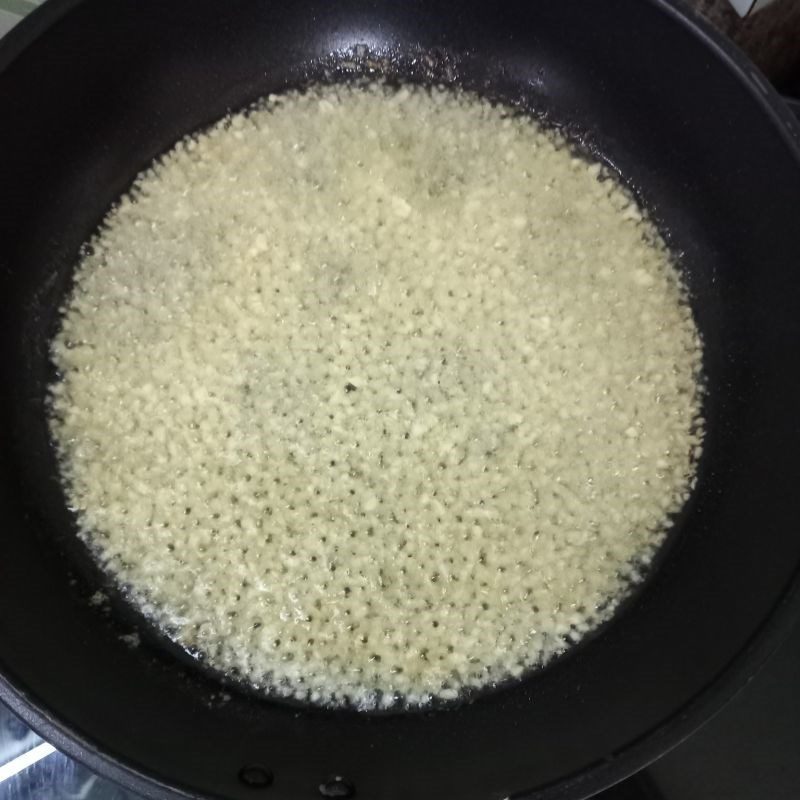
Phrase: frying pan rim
(621,764)
(616,766)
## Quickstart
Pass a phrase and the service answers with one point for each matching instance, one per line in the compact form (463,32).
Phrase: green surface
(19,7)
(12,11)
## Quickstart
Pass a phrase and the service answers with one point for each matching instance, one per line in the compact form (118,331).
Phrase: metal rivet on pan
(255,777)
(337,786)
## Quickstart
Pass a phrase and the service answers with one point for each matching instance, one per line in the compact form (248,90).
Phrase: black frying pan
(91,91)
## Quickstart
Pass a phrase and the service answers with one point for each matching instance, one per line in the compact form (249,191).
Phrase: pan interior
(288,567)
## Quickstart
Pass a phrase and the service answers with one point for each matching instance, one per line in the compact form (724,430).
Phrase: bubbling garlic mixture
(373,395)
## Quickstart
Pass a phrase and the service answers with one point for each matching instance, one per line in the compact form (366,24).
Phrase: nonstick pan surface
(91,91)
